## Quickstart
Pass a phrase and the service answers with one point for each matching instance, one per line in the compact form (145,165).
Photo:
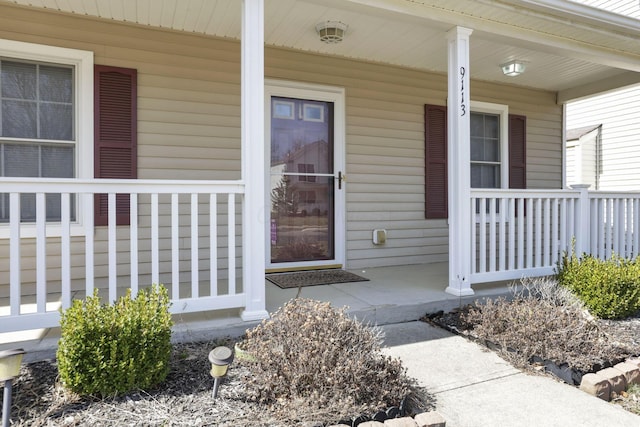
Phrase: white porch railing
(521,233)
(182,234)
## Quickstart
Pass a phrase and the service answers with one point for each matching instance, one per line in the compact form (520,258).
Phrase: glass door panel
(301,181)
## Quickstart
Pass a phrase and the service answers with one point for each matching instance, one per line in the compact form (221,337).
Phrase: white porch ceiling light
(513,68)
(331,32)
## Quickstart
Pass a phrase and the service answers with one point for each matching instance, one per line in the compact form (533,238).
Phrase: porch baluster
(112,240)
(231,236)
(133,242)
(213,245)
(155,248)
(492,234)
(512,229)
(175,246)
(195,276)
(502,238)
(14,254)
(521,220)
(41,253)
(65,250)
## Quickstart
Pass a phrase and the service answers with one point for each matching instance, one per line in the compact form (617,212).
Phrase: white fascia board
(584,13)
(563,13)
(620,81)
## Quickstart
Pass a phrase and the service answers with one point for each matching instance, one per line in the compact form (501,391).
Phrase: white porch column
(458,113)
(253,158)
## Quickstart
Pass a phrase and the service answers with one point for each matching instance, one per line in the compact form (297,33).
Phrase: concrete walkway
(475,388)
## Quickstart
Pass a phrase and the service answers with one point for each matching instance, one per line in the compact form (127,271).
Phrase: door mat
(313,278)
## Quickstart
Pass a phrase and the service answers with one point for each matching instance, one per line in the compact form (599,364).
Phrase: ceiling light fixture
(513,68)
(331,32)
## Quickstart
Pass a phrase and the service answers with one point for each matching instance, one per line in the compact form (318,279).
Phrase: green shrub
(610,289)
(112,349)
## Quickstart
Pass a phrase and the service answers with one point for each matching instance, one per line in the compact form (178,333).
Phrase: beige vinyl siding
(619,114)
(385,149)
(188,128)
(189,125)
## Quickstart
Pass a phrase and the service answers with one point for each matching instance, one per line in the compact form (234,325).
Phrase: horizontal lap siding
(385,149)
(189,122)
(619,114)
(188,128)
(384,155)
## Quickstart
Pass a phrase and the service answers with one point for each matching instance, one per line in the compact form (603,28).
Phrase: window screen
(36,129)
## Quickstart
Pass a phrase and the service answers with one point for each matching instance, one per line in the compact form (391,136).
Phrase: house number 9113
(463,105)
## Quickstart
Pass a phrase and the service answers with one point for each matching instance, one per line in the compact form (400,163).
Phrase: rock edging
(608,382)
(425,419)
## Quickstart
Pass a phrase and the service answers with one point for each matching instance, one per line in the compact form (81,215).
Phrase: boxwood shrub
(610,289)
(112,349)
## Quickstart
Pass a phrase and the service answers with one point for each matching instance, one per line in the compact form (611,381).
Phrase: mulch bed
(185,398)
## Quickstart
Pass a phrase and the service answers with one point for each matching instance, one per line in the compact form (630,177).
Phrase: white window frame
(82,61)
(289,104)
(306,117)
(502,111)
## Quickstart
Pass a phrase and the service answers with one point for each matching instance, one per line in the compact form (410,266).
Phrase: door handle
(340,178)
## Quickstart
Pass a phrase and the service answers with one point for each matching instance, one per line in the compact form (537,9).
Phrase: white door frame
(336,95)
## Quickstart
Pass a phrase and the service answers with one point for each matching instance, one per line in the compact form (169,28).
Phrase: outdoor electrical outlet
(379,236)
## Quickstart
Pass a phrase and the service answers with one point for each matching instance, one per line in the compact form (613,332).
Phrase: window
(497,152)
(306,168)
(313,112)
(36,129)
(283,110)
(306,197)
(46,126)
(488,125)
(485,150)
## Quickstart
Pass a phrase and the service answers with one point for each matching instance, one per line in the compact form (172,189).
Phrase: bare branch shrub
(544,320)
(311,356)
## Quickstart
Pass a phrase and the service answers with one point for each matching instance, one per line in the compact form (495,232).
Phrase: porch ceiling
(568,48)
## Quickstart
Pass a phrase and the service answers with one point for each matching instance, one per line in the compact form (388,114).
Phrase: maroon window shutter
(517,151)
(115,139)
(435,147)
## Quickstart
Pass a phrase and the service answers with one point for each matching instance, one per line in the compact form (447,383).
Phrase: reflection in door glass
(302,199)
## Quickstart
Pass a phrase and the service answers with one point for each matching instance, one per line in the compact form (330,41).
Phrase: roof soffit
(575,44)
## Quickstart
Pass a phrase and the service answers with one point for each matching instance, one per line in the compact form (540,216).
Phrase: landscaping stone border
(425,419)
(608,382)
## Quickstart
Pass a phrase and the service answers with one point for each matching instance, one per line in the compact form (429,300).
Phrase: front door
(303,184)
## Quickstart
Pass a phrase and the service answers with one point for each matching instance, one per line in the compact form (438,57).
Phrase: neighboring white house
(603,130)
(603,141)
(583,156)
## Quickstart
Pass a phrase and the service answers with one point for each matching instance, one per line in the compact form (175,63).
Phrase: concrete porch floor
(392,295)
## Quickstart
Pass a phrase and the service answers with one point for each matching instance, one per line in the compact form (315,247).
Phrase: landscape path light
(10,361)
(220,358)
